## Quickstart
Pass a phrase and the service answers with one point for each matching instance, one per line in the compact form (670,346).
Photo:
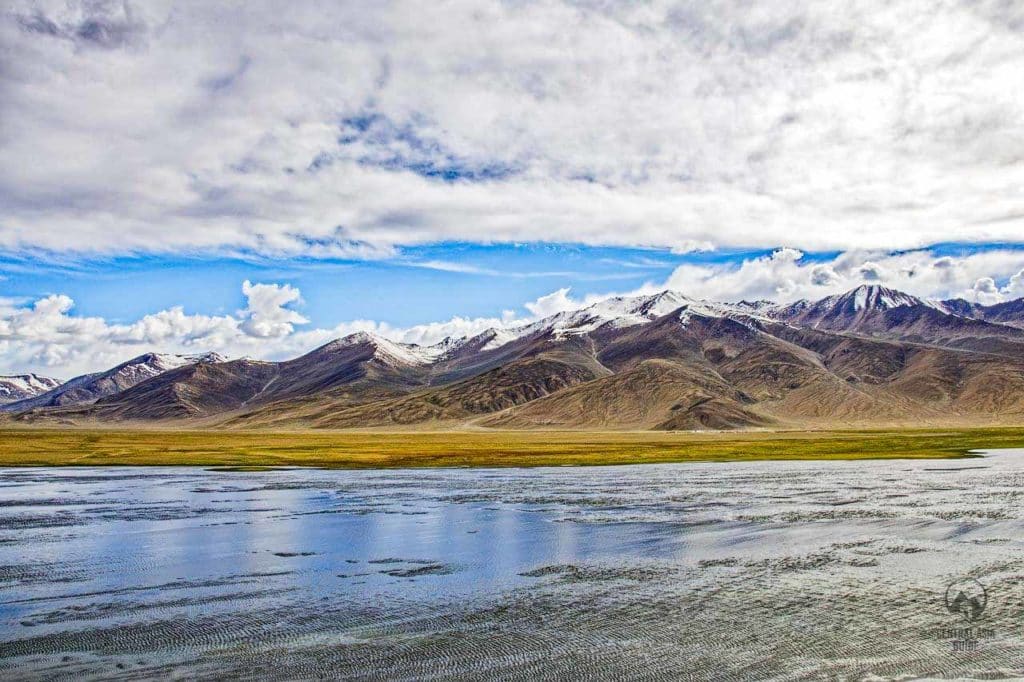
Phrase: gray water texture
(750,571)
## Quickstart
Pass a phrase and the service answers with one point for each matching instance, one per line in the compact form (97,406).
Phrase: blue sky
(423,284)
(257,180)
(420,285)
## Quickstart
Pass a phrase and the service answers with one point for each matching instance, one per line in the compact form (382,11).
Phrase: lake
(765,570)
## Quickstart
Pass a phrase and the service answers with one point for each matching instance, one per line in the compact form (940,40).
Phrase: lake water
(773,570)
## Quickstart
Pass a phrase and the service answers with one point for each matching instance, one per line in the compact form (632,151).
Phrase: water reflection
(757,570)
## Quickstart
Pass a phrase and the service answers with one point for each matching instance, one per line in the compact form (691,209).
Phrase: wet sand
(761,570)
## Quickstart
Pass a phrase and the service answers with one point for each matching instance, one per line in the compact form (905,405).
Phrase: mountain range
(24,386)
(869,357)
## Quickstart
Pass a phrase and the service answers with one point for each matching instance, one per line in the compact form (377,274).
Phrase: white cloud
(347,129)
(267,315)
(986,292)
(552,303)
(787,275)
(47,336)
(1015,286)
(824,276)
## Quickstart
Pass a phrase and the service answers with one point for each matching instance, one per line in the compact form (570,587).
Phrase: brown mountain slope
(963,384)
(355,369)
(192,391)
(1010,313)
(789,383)
(653,394)
(748,378)
(88,388)
(878,312)
(346,372)
(906,381)
(513,384)
(869,357)
(461,386)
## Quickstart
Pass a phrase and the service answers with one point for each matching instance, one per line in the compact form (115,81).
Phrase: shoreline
(241,450)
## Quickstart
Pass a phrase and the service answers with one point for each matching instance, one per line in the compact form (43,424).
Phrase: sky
(257,178)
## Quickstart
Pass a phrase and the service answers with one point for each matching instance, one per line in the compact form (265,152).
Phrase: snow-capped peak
(21,386)
(446,346)
(209,356)
(166,361)
(619,312)
(393,351)
(496,338)
(866,297)
(354,339)
(757,306)
(876,297)
(152,364)
(629,311)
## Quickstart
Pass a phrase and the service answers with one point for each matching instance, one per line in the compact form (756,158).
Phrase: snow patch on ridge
(629,311)
(21,386)
(620,312)
(394,352)
(153,364)
(499,337)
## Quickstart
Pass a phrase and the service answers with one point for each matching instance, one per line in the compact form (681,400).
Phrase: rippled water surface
(775,570)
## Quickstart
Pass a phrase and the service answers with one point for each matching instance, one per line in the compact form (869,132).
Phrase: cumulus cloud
(1015,286)
(871,272)
(986,292)
(267,315)
(824,275)
(46,335)
(787,275)
(351,129)
(552,303)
